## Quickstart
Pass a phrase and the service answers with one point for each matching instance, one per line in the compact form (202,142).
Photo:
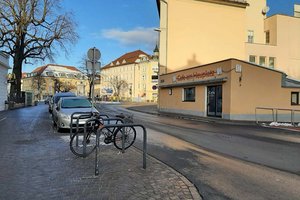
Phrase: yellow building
(225,58)
(137,75)
(231,89)
(47,80)
(205,31)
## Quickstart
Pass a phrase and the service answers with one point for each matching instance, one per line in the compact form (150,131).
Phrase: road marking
(2,119)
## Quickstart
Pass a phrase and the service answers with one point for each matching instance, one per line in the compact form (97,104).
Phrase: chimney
(297,10)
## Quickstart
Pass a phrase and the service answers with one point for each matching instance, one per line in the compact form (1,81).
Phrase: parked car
(66,106)
(53,101)
(47,100)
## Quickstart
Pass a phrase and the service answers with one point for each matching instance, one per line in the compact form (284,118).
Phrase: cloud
(137,36)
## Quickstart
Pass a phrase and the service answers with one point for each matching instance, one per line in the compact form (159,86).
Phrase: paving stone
(37,164)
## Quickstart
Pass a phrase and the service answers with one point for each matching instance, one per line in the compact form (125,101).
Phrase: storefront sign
(197,75)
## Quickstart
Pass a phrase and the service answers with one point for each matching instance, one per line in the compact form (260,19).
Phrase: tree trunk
(15,88)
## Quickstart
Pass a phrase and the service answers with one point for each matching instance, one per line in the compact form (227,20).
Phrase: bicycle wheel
(130,135)
(77,143)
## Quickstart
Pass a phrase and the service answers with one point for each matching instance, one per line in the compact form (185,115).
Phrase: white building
(4,66)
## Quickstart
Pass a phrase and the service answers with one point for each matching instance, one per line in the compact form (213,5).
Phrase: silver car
(66,106)
(54,100)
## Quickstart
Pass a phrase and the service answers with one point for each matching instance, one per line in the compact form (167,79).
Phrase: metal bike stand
(83,115)
(80,115)
(123,145)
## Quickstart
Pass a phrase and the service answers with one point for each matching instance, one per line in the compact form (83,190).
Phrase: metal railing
(275,114)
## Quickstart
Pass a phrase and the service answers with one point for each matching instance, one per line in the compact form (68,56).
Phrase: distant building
(138,70)
(49,79)
(4,66)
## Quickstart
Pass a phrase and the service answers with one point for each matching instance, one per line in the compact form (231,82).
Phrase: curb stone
(193,190)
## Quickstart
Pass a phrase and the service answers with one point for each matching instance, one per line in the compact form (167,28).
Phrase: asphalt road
(225,161)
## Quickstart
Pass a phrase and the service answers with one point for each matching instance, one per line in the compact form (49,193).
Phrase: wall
(242,92)
(255,20)
(201,32)
(174,103)
(3,87)
(284,44)
(4,65)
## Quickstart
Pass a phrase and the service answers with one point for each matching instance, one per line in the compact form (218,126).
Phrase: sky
(117,27)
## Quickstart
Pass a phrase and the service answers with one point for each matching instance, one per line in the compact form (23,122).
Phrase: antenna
(265,10)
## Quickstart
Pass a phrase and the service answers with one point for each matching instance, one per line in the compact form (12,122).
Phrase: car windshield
(57,98)
(76,103)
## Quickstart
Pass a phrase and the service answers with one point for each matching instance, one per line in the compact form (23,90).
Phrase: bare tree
(31,29)
(118,85)
(62,86)
(38,85)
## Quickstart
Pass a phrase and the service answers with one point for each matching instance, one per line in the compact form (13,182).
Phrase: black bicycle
(108,135)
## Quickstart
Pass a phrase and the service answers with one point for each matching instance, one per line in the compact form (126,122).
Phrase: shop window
(295,98)
(271,62)
(262,60)
(250,36)
(267,37)
(189,94)
(252,59)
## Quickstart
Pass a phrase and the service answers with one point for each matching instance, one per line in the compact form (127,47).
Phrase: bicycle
(111,135)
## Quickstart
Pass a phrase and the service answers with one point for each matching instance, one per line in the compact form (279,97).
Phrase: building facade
(231,89)
(205,31)
(47,80)
(137,75)
(226,58)
(4,66)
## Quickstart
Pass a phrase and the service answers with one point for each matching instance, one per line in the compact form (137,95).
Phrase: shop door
(214,101)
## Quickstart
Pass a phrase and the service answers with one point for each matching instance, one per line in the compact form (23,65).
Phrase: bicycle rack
(123,144)
(81,115)
(116,120)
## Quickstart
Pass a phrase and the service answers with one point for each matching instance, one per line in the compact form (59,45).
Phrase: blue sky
(116,27)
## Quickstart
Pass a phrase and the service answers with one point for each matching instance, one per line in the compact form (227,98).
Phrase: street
(225,161)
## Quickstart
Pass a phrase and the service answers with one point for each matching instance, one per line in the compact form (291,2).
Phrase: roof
(239,3)
(41,69)
(128,58)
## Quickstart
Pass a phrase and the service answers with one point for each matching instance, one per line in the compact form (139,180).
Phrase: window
(170,91)
(49,74)
(250,36)
(62,74)
(272,62)
(295,98)
(189,94)
(154,77)
(252,59)
(267,37)
(262,60)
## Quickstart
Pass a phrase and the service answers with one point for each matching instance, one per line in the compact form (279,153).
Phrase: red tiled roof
(130,58)
(40,70)
(24,75)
